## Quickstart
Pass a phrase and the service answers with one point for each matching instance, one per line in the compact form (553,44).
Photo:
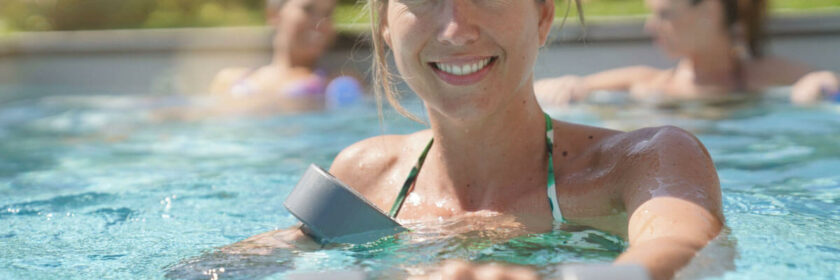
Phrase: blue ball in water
(343,91)
(835,97)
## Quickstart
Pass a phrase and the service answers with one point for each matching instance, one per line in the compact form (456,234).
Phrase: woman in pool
(702,33)
(492,151)
(291,83)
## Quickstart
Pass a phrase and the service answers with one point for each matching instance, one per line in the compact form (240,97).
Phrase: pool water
(97,186)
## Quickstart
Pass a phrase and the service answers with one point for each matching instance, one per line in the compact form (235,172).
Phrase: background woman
(720,44)
(292,82)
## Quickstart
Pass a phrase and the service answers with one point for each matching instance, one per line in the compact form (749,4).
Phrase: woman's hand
(811,87)
(561,91)
(461,270)
(267,242)
(454,269)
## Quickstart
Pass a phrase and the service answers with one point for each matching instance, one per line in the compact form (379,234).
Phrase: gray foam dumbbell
(331,212)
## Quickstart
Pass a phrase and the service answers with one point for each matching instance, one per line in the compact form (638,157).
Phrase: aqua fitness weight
(331,212)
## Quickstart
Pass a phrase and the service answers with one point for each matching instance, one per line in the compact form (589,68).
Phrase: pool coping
(620,29)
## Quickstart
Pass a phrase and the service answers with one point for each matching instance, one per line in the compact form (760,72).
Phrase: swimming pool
(96,186)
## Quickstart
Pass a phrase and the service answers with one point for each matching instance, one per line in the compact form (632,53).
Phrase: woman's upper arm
(674,192)
(672,195)
(620,79)
(781,72)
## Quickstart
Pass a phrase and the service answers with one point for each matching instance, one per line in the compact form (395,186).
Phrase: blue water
(104,187)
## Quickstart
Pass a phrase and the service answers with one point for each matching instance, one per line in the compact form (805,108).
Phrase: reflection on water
(479,239)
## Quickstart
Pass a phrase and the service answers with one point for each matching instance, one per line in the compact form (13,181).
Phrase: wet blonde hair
(383,79)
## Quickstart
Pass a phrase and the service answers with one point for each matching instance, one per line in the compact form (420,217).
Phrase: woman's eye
(309,9)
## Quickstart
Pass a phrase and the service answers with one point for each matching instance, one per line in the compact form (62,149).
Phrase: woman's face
(680,28)
(305,27)
(464,57)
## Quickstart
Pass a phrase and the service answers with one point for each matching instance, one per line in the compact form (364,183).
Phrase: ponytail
(752,15)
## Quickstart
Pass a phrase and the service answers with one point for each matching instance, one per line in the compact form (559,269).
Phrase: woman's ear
(385,32)
(546,19)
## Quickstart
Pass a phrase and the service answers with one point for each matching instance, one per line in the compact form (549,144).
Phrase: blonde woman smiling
(490,149)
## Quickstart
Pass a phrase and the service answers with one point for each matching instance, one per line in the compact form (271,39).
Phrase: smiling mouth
(463,69)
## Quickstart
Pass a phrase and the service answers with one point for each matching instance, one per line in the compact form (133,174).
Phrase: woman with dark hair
(720,44)
(292,82)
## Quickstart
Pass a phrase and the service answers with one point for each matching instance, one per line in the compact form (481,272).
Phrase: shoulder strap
(551,187)
(552,192)
(409,182)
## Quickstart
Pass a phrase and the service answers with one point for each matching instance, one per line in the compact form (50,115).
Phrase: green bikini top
(552,190)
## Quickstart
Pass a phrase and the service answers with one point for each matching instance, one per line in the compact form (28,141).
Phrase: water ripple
(114,216)
(55,204)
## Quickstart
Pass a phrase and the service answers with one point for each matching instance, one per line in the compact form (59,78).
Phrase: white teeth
(462,70)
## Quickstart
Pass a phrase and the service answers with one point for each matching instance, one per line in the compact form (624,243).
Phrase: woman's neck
(715,65)
(285,59)
(484,160)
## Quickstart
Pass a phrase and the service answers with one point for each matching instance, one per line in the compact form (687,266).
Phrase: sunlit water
(100,187)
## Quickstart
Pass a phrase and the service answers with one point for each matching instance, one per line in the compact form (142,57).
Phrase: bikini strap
(551,186)
(409,182)
(552,191)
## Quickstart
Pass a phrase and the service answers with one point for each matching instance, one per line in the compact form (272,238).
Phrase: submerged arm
(673,197)
(356,165)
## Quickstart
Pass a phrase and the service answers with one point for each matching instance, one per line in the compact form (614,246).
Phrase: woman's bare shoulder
(635,148)
(369,163)
(653,140)
(579,137)
(225,78)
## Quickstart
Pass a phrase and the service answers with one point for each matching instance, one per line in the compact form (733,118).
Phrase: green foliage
(803,4)
(38,15)
(41,15)
(601,8)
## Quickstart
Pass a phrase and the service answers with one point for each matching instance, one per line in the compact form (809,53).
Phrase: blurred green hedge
(42,15)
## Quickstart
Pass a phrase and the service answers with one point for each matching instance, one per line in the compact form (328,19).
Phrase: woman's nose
(458,23)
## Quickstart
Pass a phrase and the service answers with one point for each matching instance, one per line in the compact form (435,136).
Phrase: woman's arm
(809,84)
(358,166)
(673,196)
(568,89)
(265,243)
(814,86)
